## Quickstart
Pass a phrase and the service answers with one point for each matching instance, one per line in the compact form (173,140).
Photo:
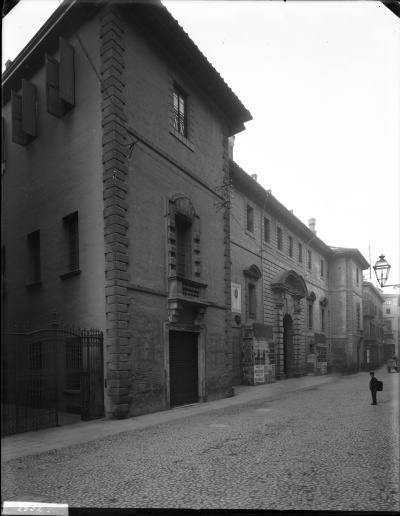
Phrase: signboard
(236,297)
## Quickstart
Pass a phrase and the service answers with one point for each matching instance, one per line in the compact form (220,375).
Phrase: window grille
(180,112)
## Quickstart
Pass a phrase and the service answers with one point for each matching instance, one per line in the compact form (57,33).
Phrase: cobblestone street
(323,448)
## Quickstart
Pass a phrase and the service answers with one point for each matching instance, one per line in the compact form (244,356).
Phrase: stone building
(296,302)
(115,163)
(391,321)
(373,344)
(346,292)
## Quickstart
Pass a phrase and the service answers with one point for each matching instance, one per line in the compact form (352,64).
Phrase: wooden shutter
(52,86)
(67,73)
(29,124)
(16,117)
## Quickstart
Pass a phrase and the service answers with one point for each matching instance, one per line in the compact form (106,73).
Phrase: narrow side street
(323,448)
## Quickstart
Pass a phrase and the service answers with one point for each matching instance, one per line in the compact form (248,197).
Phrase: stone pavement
(309,444)
(40,441)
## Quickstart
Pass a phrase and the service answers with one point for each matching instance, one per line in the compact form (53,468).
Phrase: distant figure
(373,385)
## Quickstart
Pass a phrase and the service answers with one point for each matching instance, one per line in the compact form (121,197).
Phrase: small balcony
(185,292)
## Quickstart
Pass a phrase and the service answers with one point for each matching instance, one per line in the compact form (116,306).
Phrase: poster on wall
(260,350)
(259,375)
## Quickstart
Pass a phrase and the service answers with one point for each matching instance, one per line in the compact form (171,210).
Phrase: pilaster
(115,190)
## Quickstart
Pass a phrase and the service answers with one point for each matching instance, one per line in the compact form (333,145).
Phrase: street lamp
(382,269)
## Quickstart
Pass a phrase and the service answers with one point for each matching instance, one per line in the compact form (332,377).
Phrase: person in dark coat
(373,386)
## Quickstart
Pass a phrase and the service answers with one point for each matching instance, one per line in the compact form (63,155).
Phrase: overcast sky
(322,81)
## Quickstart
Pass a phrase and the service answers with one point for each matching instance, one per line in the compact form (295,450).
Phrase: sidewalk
(40,441)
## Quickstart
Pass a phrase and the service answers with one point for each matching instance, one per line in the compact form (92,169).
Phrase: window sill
(71,391)
(34,285)
(182,139)
(76,272)
(250,233)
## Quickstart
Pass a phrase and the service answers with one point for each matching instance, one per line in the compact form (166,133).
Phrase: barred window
(180,112)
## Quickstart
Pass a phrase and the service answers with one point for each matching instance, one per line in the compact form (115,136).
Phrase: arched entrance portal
(289,290)
(288,355)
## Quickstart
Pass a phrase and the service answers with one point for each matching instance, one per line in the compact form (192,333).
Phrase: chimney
(231,143)
(254,176)
(8,63)
(311,225)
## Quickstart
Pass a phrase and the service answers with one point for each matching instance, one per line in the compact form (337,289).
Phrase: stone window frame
(177,83)
(181,205)
(323,304)
(310,304)
(266,230)
(252,274)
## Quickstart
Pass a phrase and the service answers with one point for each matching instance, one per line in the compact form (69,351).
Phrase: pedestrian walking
(373,386)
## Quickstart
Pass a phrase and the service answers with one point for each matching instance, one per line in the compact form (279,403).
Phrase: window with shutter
(18,135)
(52,86)
(67,73)
(60,81)
(29,124)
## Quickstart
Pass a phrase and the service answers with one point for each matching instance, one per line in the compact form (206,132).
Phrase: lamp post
(382,269)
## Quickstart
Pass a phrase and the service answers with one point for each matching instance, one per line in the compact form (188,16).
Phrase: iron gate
(48,371)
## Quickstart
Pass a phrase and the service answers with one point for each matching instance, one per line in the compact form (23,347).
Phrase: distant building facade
(391,321)
(297,300)
(373,327)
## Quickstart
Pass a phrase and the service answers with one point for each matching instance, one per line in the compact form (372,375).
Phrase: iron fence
(48,371)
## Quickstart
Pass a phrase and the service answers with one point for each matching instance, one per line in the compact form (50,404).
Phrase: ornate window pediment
(312,297)
(252,272)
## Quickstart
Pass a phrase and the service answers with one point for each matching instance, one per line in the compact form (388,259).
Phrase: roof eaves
(354,253)
(261,194)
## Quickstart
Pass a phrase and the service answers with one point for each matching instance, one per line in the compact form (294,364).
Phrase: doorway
(288,356)
(183,368)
